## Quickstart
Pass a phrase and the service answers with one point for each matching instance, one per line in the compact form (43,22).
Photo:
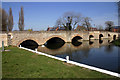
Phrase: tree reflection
(108,48)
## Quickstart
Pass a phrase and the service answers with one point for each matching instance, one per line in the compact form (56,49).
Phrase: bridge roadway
(15,38)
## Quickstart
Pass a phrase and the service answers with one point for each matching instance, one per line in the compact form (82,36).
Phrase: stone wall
(3,37)
(15,38)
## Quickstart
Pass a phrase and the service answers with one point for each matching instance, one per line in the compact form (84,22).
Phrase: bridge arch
(51,37)
(76,37)
(108,35)
(91,36)
(75,41)
(114,37)
(100,36)
(26,39)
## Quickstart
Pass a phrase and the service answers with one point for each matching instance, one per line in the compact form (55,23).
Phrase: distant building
(115,29)
(49,28)
(92,29)
(56,29)
(61,29)
(52,28)
(80,28)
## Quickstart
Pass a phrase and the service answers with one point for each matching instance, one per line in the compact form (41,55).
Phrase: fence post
(36,50)
(67,59)
(2,45)
(20,46)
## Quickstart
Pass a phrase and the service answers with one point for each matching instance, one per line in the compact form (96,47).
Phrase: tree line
(69,20)
(7,20)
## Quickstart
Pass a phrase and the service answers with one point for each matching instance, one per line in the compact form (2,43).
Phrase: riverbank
(19,63)
(117,42)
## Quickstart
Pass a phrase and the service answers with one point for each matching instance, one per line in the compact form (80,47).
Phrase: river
(101,54)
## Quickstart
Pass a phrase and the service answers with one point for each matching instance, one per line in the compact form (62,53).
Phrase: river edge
(21,59)
(116,42)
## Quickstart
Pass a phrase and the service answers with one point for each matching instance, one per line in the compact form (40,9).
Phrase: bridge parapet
(41,37)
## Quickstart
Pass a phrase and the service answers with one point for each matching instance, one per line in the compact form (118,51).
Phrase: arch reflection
(91,42)
(71,48)
(114,37)
(87,53)
(76,41)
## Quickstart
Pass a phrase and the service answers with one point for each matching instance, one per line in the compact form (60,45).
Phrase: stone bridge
(41,37)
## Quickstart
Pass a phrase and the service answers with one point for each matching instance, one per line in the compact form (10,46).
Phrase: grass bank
(117,42)
(19,63)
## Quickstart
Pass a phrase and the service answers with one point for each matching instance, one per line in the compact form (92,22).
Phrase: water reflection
(54,45)
(91,42)
(119,60)
(100,41)
(93,52)
(98,53)
(76,43)
(61,48)
(108,48)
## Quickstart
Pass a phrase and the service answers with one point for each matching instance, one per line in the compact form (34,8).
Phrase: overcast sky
(40,15)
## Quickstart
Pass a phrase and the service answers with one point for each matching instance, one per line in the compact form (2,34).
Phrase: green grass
(19,63)
(117,42)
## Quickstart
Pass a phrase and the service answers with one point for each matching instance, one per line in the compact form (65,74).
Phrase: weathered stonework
(3,37)
(40,37)
(43,36)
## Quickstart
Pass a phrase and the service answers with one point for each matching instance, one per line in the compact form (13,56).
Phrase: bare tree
(119,13)
(4,22)
(100,27)
(21,20)
(109,25)
(19,23)
(0,19)
(10,20)
(59,22)
(86,22)
(69,20)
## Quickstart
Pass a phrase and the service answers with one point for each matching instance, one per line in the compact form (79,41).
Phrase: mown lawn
(19,63)
(117,42)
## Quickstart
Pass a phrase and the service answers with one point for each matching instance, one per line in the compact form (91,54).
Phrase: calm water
(96,53)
